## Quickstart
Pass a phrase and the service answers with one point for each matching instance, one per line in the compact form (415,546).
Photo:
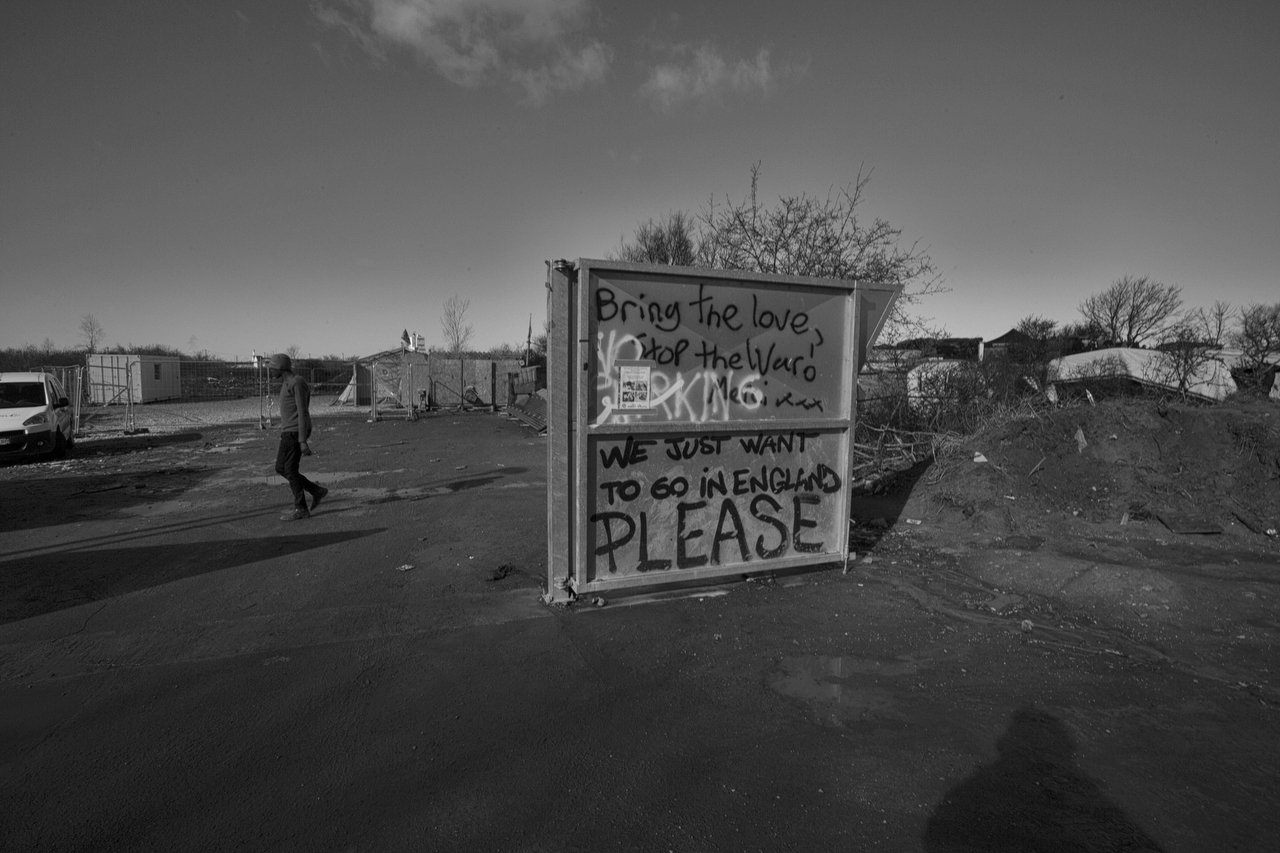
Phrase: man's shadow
(1033,797)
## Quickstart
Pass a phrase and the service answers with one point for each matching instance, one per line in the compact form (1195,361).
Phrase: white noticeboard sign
(699,421)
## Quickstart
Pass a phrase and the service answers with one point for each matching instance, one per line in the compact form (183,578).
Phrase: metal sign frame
(660,377)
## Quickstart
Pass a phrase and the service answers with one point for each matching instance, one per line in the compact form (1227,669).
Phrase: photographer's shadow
(1033,797)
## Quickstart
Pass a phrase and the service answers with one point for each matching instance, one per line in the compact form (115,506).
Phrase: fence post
(77,395)
(264,391)
(128,381)
(410,413)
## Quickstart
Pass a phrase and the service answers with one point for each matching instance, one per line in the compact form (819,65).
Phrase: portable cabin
(128,378)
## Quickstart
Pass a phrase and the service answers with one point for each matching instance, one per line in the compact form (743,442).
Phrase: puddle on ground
(840,690)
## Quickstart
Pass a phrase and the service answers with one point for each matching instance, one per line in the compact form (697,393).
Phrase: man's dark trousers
(288,457)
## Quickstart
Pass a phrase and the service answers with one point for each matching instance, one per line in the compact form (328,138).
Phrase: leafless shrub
(1132,311)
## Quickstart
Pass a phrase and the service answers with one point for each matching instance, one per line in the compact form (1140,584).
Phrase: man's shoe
(296,515)
(317,497)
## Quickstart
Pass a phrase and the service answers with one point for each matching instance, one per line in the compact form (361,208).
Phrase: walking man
(295,430)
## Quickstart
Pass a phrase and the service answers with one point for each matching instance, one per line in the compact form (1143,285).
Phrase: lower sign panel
(661,506)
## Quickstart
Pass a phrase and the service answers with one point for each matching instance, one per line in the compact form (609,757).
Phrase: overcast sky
(233,176)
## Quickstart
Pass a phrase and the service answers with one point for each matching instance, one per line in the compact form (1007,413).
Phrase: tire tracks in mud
(1098,641)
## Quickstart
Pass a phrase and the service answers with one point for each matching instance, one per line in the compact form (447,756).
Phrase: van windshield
(14,395)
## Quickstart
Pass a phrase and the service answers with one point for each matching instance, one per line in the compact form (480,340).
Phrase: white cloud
(339,19)
(568,72)
(476,42)
(701,73)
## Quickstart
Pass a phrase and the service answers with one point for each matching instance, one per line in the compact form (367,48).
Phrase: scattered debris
(110,487)
(1003,602)
(1138,512)
(1081,444)
(978,457)
(1252,522)
(1187,524)
(599,601)
(1026,626)
(406,567)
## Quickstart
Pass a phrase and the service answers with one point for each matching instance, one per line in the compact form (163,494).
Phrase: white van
(35,416)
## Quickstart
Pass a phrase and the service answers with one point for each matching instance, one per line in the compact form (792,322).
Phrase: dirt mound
(1187,468)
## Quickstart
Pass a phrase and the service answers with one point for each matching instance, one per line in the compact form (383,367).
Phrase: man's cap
(280,361)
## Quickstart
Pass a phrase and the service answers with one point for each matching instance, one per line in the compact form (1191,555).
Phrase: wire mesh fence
(230,380)
(120,392)
(145,392)
(128,392)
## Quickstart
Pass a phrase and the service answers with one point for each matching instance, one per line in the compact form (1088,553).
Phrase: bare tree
(1258,336)
(672,240)
(820,237)
(91,331)
(1211,325)
(457,334)
(1044,345)
(1185,351)
(800,235)
(453,323)
(1089,334)
(1036,327)
(1133,310)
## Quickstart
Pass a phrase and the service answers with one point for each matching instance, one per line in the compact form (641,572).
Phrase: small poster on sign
(634,385)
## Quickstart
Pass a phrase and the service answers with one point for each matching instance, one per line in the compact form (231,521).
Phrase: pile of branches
(880,451)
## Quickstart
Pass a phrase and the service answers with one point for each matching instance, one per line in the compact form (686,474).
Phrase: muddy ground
(1024,655)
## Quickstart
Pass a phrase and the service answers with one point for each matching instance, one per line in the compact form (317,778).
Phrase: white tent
(1208,379)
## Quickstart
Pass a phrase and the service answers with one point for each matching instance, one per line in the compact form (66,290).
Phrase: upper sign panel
(691,350)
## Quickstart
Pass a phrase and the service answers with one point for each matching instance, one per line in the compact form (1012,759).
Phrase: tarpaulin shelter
(397,377)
